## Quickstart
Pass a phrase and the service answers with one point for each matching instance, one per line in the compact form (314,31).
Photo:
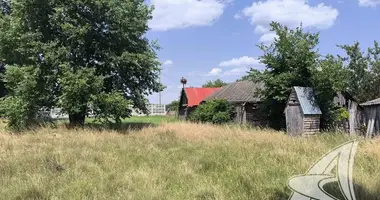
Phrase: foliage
(253,75)
(293,60)
(111,106)
(21,106)
(214,84)
(363,70)
(289,62)
(216,111)
(5,7)
(76,52)
(329,78)
(173,106)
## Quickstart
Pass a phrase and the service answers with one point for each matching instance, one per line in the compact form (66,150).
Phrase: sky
(205,40)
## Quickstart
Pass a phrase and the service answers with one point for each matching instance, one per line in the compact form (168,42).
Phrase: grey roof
(242,91)
(307,101)
(371,103)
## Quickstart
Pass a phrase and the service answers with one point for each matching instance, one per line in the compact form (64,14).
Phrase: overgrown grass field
(169,161)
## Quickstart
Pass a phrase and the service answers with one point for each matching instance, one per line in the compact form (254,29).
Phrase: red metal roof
(196,95)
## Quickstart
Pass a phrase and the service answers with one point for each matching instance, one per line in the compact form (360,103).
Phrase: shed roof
(196,95)
(242,91)
(306,99)
(371,103)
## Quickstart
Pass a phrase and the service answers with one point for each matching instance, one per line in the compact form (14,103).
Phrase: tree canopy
(294,60)
(289,61)
(214,84)
(173,106)
(82,56)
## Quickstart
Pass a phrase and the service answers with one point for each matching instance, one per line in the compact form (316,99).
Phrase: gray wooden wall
(311,124)
(294,120)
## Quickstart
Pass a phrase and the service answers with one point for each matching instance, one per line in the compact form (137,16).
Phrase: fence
(154,109)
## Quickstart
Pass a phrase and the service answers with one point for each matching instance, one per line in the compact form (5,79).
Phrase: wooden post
(244,113)
(353,108)
(371,122)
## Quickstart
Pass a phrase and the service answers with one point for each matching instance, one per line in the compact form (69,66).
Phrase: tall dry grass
(169,161)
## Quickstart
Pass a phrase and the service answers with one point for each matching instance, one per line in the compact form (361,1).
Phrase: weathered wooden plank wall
(238,113)
(294,120)
(311,124)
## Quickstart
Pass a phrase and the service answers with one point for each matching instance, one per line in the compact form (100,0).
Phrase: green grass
(156,120)
(128,124)
(168,161)
(150,119)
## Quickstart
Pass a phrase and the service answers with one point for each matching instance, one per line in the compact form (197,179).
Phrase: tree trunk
(77,119)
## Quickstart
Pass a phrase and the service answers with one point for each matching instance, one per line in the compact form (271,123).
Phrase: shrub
(216,112)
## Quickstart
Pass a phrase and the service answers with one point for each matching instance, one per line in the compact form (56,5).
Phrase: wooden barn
(242,95)
(372,117)
(302,113)
(190,98)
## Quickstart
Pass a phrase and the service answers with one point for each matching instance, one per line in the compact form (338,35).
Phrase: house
(302,113)
(190,98)
(372,116)
(242,95)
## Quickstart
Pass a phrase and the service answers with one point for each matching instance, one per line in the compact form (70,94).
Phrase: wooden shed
(372,117)
(302,112)
(242,95)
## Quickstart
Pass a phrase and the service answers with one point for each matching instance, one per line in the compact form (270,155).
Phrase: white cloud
(244,61)
(237,16)
(290,13)
(168,62)
(369,3)
(268,37)
(237,71)
(215,72)
(176,14)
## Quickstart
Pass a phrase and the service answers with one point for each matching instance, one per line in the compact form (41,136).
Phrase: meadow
(169,160)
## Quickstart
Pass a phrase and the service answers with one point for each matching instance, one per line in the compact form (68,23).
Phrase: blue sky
(209,39)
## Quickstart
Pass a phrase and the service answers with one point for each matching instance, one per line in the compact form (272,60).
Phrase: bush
(216,112)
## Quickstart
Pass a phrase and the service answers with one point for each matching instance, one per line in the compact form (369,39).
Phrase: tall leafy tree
(289,62)
(80,55)
(173,106)
(360,74)
(214,84)
(5,8)
(374,65)
(328,79)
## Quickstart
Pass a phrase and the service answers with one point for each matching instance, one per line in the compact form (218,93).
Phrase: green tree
(360,75)
(328,79)
(374,62)
(173,106)
(79,55)
(217,111)
(252,75)
(5,7)
(289,62)
(214,84)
